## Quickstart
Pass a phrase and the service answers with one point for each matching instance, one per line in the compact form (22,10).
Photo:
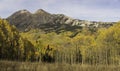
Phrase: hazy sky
(99,10)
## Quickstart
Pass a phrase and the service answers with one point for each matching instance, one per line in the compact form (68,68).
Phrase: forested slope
(84,47)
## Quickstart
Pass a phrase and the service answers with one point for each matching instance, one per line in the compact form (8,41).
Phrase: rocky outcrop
(24,20)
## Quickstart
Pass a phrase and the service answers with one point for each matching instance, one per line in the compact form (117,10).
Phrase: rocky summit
(25,20)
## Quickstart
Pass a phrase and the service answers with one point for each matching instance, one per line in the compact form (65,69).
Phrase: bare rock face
(21,19)
(41,17)
(41,11)
(24,20)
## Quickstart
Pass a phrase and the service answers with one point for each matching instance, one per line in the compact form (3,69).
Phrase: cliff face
(24,20)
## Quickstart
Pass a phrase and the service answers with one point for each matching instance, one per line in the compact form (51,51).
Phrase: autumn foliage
(85,47)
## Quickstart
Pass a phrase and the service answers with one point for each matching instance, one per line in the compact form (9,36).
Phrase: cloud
(7,7)
(101,10)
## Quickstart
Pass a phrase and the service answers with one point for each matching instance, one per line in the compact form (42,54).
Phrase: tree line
(85,47)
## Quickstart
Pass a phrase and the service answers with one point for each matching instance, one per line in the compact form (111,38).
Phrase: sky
(92,10)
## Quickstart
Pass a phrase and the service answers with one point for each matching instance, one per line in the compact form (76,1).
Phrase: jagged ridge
(24,20)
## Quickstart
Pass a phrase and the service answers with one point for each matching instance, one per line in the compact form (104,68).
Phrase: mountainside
(56,38)
(12,45)
(24,21)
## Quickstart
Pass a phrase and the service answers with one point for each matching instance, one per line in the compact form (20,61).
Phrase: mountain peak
(23,19)
(41,11)
(24,11)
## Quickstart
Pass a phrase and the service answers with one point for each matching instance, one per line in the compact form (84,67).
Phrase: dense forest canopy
(84,46)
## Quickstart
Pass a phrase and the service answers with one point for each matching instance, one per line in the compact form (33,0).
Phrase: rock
(23,20)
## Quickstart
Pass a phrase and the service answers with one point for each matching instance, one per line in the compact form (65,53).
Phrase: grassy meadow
(38,66)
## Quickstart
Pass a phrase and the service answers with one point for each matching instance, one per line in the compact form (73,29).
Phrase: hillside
(88,43)
(12,45)
(24,21)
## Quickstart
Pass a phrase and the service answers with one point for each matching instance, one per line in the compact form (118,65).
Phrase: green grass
(36,66)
